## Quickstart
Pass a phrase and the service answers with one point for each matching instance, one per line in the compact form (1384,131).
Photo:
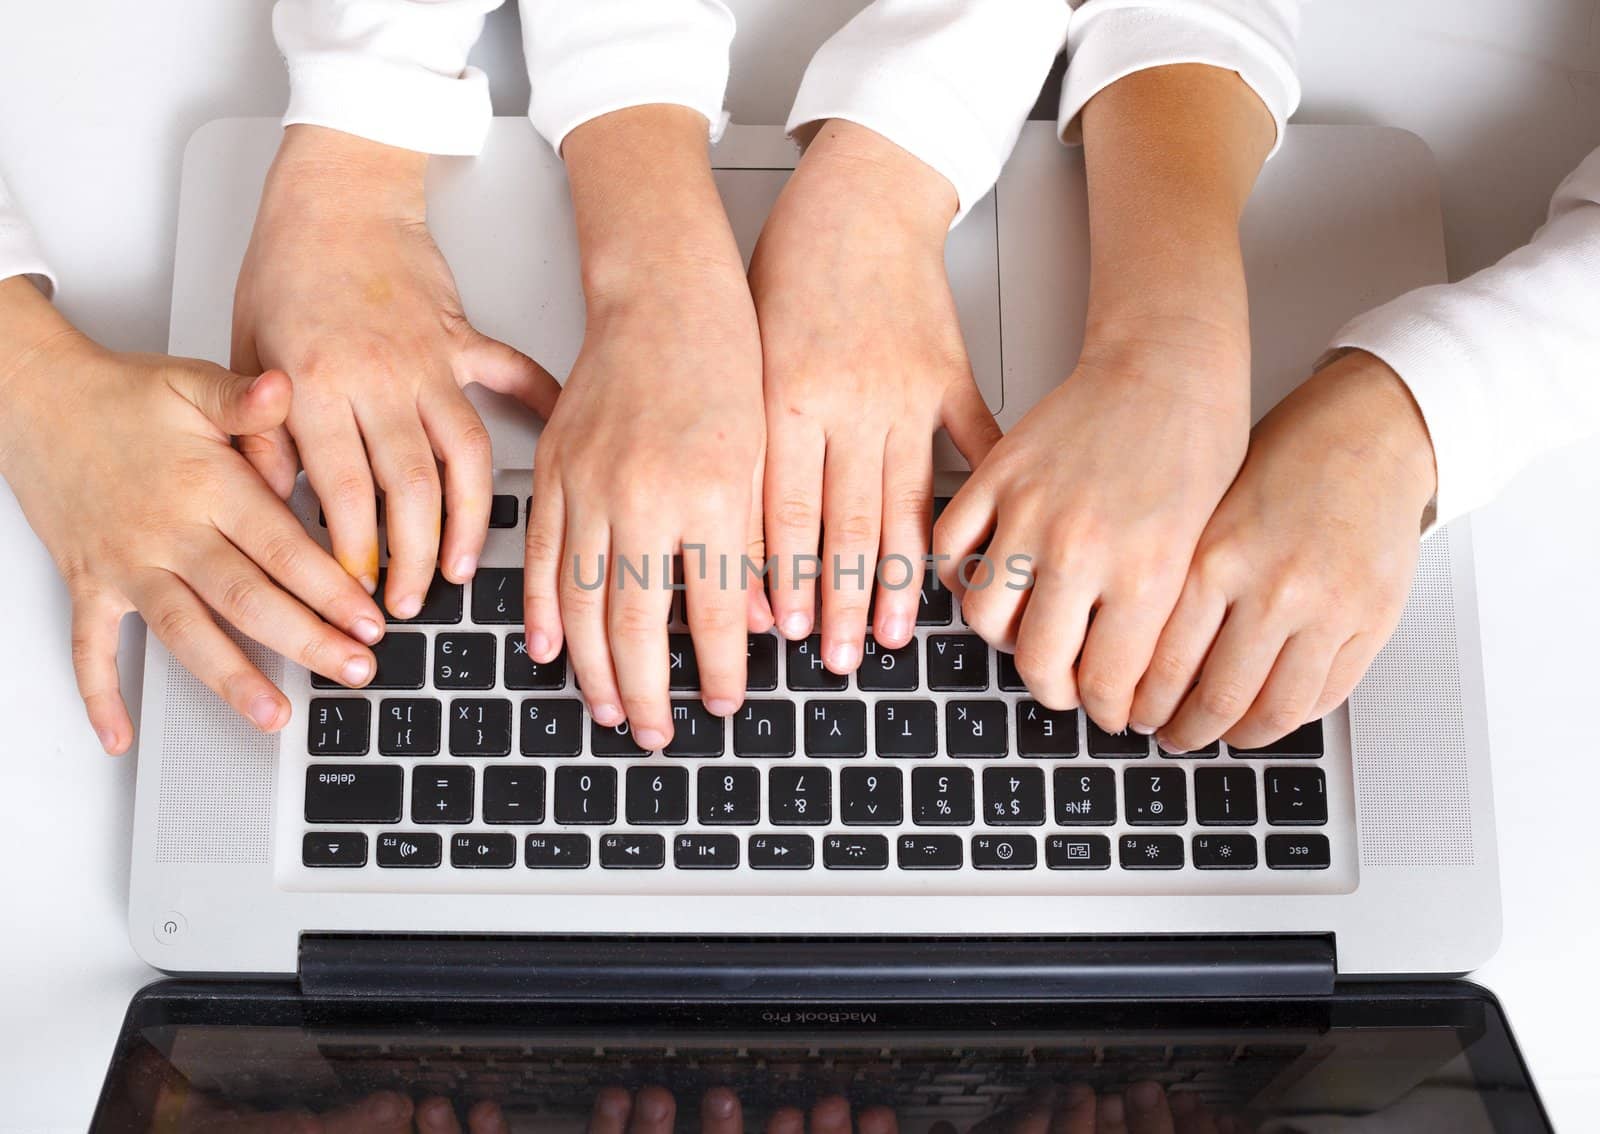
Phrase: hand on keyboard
(344,289)
(864,363)
(1303,571)
(123,466)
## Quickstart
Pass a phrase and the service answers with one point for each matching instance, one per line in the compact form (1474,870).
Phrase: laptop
(914,886)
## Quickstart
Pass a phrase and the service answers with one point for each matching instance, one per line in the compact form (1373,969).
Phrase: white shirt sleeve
(19,250)
(393,71)
(1503,363)
(591,57)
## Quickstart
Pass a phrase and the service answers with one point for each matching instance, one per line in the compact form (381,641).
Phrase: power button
(170,927)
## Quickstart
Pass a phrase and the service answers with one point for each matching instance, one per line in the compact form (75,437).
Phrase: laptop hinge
(758,970)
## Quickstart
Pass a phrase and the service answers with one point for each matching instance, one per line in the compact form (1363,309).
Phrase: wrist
(40,351)
(864,171)
(1373,406)
(338,176)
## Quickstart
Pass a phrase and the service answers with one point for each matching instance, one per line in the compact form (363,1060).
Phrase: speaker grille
(1413,800)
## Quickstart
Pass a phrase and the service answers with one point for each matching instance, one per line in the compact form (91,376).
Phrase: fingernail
(539,646)
(843,657)
(1168,746)
(254,382)
(720,1103)
(369,583)
(385,1109)
(897,629)
(1145,1097)
(796,625)
(407,607)
(721,707)
(1078,1094)
(435,1114)
(367,632)
(356,671)
(606,715)
(466,566)
(264,711)
(1111,1108)
(1141,729)
(651,738)
(108,738)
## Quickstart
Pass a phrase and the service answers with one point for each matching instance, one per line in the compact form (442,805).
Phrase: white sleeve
(950,81)
(19,250)
(1503,364)
(1112,39)
(591,57)
(393,71)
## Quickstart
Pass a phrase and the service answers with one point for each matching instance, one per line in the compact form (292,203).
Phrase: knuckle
(1170,668)
(1280,717)
(1100,688)
(1222,699)
(315,653)
(1036,665)
(473,442)
(716,618)
(541,545)
(350,489)
(417,478)
(174,624)
(634,623)
(281,554)
(241,597)
(858,526)
(796,512)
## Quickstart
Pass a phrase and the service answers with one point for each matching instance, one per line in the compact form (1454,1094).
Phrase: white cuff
(394,104)
(19,249)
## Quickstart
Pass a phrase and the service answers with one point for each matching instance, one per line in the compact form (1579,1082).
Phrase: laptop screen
(1418,1059)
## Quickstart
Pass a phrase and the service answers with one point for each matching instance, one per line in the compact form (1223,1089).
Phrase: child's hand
(344,289)
(1301,575)
(123,466)
(864,363)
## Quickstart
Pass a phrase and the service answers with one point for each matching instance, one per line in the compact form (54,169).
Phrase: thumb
(234,404)
(968,421)
(506,370)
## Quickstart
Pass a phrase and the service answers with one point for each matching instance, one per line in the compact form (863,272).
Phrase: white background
(97,98)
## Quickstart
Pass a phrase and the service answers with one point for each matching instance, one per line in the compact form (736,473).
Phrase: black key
(1013,797)
(871,797)
(1304,743)
(1150,852)
(497,596)
(764,729)
(354,793)
(761,663)
(1077,852)
(614,741)
(441,605)
(1155,797)
(855,852)
(941,797)
(1116,745)
(806,671)
(441,795)
(1085,797)
(402,664)
(658,796)
(1225,797)
(887,671)
(633,852)
(799,796)
(975,729)
(339,726)
(1004,852)
(935,605)
(929,852)
(781,852)
(836,729)
(1298,852)
(513,795)
(1296,797)
(957,663)
(410,849)
(1043,732)
(1208,752)
(551,727)
(705,852)
(408,726)
(556,852)
(333,848)
(728,796)
(503,511)
(683,668)
(464,661)
(483,851)
(1224,852)
(907,729)
(522,672)
(586,794)
(696,731)
(480,727)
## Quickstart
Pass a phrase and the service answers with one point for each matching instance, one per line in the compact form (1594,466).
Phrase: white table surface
(96,101)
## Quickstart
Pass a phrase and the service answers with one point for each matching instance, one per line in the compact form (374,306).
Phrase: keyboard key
(1150,852)
(353,793)
(781,852)
(871,797)
(941,797)
(1224,852)
(480,727)
(483,852)
(836,729)
(855,852)
(1116,745)
(1085,797)
(1155,797)
(935,605)
(556,852)
(464,661)
(807,674)
(1225,797)
(551,727)
(975,729)
(658,796)
(1043,732)
(402,663)
(1304,743)
(633,852)
(333,848)
(683,668)
(408,726)
(799,796)
(887,671)
(1077,852)
(441,605)
(1009,679)
(957,663)
(339,726)
(761,663)
(1296,797)
(513,795)
(614,741)
(728,796)
(705,852)
(764,730)
(929,852)
(441,795)
(1004,852)
(1298,852)
(522,672)
(502,514)
(412,850)
(696,731)
(907,729)
(1013,797)
(585,794)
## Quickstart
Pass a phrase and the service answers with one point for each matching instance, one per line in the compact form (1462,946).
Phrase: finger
(96,630)
(1230,680)
(1188,1116)
(877,1120)
(962,530)
(506,370)
(1077,1114)
(541,577)
(852,517)
(404,467)
(337,469)
(793,509)
(830,1116)
(1050,636)
(787,1120)
(654,1109)
(611,1109)
(486,1117)
(720,1112)
(1289,696)
(1111,1114)
(752,575)
(993,599)
(1347,669)
(907,520)
(461,442)
(583,589)
(386,1112)
(1147,1108)
(1118,647)
(968,421)
(637,610)
(1180,651)
(273,455)
(437,1116)
(718,612)
(234,404)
